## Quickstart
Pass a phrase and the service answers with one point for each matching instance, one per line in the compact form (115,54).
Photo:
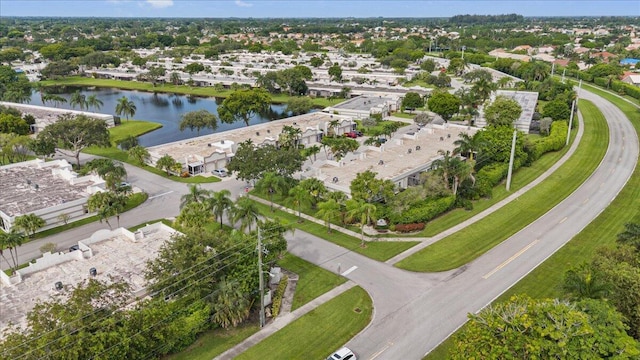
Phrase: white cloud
(160,3)
(243,4)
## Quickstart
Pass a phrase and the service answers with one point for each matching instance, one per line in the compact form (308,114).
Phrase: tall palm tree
(101,203)
(315,188)
(328,211)
(175,78)
(29,223)
(125,107)
(196,195)
(585,282)
(219,202)
(272,183)
(312,150)
(11,240)
(362,212)
(55,99)
(483,89)
(78,99)
(246,211)
(93,101)
(299,197)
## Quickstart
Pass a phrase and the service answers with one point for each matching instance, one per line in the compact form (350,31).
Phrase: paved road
(415,312)
(163,202)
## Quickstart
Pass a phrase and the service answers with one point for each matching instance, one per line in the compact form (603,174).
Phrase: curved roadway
(415,312)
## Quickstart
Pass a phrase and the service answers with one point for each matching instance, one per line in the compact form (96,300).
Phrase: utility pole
(262,320)
(553,68)
(573,105)
(463,47)
(513,150)
(563,72)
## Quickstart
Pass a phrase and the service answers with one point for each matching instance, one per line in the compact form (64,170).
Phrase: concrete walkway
(284,320)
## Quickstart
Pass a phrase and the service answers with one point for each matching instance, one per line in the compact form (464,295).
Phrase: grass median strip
(547,279)
(316,334)
(473,241)
(377,250)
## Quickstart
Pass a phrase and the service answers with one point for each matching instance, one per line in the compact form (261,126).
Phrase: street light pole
(260,277)
(513,150)
(573,106)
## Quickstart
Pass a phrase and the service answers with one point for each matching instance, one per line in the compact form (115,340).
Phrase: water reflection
(166,109)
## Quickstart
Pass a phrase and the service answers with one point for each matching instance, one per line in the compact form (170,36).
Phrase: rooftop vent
(28,182)
(257,133)
(93,271)
(59,285)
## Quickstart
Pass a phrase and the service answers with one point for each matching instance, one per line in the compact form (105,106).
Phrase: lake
(166,109)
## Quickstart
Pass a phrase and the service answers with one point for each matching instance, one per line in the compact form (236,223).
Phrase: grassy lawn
(316,334)
(377,250)
(133,201)
(547,279)
(131,127)
(313,280)
(473,241)
(367,131)
(169,88)
(214,342)
(404,115)
(420,83)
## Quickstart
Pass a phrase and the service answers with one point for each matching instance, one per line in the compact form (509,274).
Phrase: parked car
(343,354)
(382,140)
(74,248)
(358,133)
(351,134)
(219,172)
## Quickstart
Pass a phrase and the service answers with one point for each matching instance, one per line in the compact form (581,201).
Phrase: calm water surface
(166,109)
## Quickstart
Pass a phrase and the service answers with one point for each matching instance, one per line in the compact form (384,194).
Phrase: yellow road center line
(510,259)
(563,220)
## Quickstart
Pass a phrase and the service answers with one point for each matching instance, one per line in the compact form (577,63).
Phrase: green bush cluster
(277,297)
(490,176)
(555,141)
(425,212)
(627,89)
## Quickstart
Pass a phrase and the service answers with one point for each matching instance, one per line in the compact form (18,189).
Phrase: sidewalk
(282,321)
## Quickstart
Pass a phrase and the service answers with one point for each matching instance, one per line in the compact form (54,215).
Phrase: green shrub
(424,212)
(555,141)
(490,176)
(277,298)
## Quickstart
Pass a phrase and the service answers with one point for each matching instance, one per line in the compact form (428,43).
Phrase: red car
(351,134)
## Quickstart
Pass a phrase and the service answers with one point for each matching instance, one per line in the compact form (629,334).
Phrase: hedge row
(555,141)
(425,212)
(619,87)
(490,176)
(277,298)
(405,228)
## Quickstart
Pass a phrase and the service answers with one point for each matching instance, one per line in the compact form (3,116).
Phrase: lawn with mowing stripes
(131,128)
(313,280)
(316,334)
(547,279)
(473,241)
(377,250)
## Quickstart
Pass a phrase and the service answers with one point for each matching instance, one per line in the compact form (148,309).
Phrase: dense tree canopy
(14,87)
(243,104)
(503,111)
(75,133)
(444,104)
(250,162)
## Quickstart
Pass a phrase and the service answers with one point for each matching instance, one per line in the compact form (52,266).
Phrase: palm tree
(230,305)
(55,99)
(29,223)
(166,163)
(328,211)
(246,211)
(194,216)
(220,201)
(195,195)
(466,145)
(630,235)
(11,240)
(272,183)
(483,89)
(312,150)
(363,212)
(503,82)
(333,127)
(299,196)
(585,282)
(93,101)
(315,188)
(125,107)
(443,166)
(139,154)
(175,78)
(101,202)
(78,99)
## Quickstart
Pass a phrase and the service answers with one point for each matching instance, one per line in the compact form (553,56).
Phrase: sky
(313,8)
